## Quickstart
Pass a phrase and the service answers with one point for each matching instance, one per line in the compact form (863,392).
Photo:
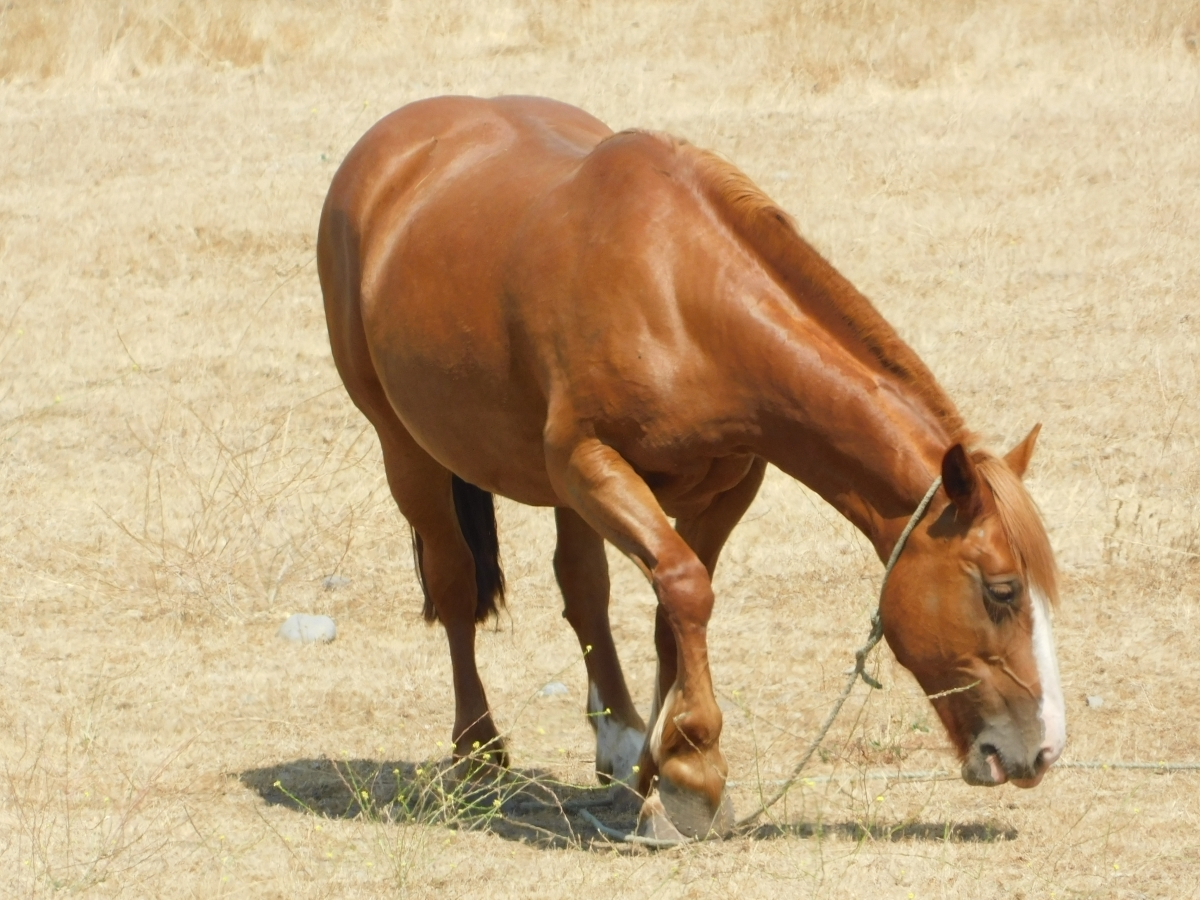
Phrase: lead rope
(860,662)
(859,671)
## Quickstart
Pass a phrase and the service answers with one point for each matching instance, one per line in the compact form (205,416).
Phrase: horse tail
(476,512)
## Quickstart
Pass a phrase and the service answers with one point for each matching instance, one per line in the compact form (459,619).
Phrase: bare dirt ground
(1018,188)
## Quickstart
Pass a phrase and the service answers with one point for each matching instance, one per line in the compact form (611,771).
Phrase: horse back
(413,237)
(488,259)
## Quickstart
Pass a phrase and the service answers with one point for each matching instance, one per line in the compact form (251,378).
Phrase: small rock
(302,628)
(333,582)
(1095,702)
(553,689)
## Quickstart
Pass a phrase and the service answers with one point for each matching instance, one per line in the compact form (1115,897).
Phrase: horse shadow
(526,805)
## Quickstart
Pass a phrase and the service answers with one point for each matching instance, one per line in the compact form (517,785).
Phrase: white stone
(553,689)
(1095,702)
(302,628)
(333,582)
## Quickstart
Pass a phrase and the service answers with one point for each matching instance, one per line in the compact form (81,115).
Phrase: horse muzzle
(999,754)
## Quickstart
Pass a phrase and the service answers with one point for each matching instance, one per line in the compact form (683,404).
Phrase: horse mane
(770,235)
(1022,523)
(812,282)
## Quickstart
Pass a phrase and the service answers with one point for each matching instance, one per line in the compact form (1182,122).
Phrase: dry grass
(1015,184)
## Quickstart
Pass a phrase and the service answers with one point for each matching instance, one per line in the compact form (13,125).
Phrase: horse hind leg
(454,541)
(456,554)
(581,568)
(476,513)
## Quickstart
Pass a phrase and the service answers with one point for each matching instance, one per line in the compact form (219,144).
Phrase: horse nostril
(988,750)
(1039,762)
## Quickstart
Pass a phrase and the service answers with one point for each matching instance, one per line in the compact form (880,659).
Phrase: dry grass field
(1016,185)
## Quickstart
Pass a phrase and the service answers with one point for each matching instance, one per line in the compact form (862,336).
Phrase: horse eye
(1005,592)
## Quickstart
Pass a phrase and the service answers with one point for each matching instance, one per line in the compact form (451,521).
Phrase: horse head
(966,610)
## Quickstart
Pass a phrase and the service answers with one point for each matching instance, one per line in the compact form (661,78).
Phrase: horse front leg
(684,744)
(706,533)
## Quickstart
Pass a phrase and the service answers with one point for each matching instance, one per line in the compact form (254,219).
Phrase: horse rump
(476,513)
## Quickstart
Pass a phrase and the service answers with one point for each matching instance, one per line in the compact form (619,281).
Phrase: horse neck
(868,441)
(839,401)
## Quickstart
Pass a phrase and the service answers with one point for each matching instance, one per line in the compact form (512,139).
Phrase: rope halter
(860,657)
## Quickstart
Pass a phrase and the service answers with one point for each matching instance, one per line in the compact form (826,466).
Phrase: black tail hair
(476,512)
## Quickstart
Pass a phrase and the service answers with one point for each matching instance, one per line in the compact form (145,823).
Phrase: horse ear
(1018,457)
(961,481)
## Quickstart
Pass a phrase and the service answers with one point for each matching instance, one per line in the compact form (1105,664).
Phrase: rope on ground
(627,838)
(616,834)
(860,659)
(1162,768)
(859,670)
(1154,766)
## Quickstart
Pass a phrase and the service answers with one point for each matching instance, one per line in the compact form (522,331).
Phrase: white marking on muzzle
(1051,710)
(618,746)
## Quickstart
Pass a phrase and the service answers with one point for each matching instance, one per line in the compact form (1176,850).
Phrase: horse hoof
(692,814)
(481,755)
(653,823)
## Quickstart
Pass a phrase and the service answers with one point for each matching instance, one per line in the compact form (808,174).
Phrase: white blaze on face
(1052,710)
(618,746)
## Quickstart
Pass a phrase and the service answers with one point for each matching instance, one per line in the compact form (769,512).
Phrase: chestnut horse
(624,328)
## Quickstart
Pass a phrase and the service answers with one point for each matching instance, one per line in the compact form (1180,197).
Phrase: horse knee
(689,720)
(685,591)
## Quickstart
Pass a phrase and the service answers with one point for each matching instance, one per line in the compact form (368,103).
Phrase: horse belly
(446,336)
(488,447)
(454,391)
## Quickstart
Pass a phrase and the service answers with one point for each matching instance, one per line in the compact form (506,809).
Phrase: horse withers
(624,328)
